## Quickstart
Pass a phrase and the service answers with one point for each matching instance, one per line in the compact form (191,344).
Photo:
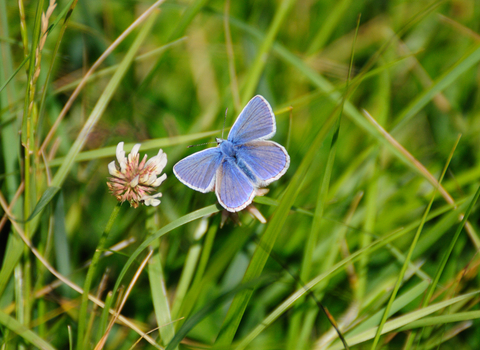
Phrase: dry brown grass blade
(448,198)
(4,219)
(102,341)
(92,69)
(65,280)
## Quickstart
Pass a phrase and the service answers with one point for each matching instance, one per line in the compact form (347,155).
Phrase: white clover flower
(133,182)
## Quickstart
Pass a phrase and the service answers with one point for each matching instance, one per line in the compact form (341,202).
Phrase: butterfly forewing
(198,170)
(233,188)
(267,161)
(256,121)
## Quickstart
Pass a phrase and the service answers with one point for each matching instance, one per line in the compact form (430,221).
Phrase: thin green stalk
(409,255)
(231,59)
(52,62)
(311,242)
(7,81)
(161,304)
(187,17)
(23,27)
(443,263)
(66,165)
(16,327)
(260,256)
(103,321)
(156,277)
(337,268)
(328,26)
(191,264)
(28,131)
(8,130)
(92,270)
(258,64)
(164,230)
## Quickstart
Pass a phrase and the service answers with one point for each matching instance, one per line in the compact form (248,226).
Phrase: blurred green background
(344,215)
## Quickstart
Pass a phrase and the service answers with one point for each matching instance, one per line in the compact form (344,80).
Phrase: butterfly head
(227,148)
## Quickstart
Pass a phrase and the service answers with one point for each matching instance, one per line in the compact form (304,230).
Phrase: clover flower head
(134,181)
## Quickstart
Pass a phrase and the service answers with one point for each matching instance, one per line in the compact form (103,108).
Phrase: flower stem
(81,339)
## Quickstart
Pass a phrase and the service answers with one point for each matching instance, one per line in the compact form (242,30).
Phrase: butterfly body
(242,163)
(227,148)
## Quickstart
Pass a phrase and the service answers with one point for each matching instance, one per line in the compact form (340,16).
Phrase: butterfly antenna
(224,121)
(201,144)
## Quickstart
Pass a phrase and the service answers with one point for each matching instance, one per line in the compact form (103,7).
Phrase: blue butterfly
(242,163)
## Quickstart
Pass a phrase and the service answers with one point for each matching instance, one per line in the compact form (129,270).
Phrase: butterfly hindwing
(233,188)
(263,161)
(198,170)
(256,121)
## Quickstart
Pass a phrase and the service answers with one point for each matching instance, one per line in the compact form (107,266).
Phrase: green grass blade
(60,244)
(102,103)
(190,266)
(161,305)
(178,31)
(212,305)
(328,26)
(25,60)
(260,60)
(443,263)
(103,320)
(19,329)
(399,303)
(8,131)
(164,230)
(340,266)
(46,197)
(239,304)
(404,320)
(409,255)
(441,320)
(467,61)
(156,277)
(146,145)
(82,341)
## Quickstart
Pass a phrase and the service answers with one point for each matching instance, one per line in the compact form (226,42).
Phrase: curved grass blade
(164,230)
(405,320)
(328,26)
(146,145)
(442,319)
(443,263)
(468,60)
(260,60)
(212,305)
(95,115)
(337,268)
(67,11)
(260,256)
(350,110)
(187,17)
(25,60)
(399,303)
(311,242)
